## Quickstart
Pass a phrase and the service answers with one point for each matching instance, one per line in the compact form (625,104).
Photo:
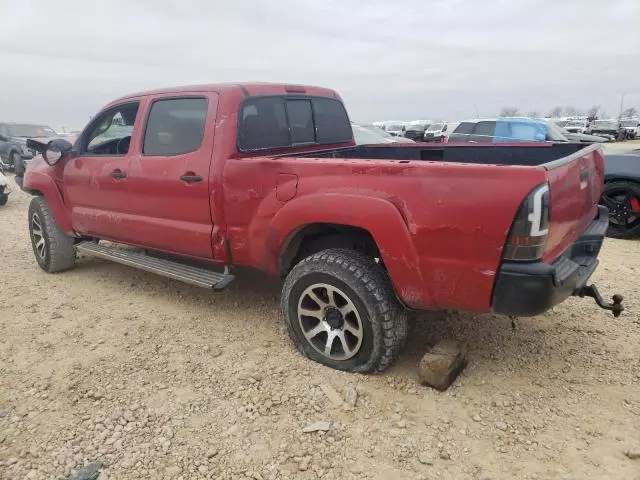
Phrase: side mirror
(3,138)
(56,150)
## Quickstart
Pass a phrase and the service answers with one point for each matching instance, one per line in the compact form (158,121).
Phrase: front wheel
(340,310)
(14,159)
(4,197)
(53,249)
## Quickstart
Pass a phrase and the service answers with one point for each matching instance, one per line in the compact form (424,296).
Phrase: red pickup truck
(268,176)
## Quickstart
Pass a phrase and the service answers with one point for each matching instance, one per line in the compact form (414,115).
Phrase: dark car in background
(506,129)
(621,194)
(13,139)
(415,130)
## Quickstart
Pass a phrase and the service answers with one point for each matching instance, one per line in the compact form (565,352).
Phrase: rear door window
(263,124)
(175,126)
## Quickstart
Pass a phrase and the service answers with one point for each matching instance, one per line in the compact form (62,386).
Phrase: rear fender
(381,218)
(38,183)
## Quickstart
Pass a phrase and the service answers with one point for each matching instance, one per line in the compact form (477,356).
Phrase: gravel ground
(155,379)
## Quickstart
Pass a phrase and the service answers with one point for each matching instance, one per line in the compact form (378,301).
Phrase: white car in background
(632,126)
(575,125)
(436,132)
(395,128)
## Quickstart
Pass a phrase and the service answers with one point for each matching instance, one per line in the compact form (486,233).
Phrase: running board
(199,277)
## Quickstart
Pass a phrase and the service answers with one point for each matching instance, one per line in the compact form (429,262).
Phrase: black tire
(4,197)
(19,167)
(14,159)
(57,252)
(365,284)
(614,189)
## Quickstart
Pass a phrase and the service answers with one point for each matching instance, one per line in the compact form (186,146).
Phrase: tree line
(592,113)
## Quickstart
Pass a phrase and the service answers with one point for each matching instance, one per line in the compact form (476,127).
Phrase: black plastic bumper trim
(529,289)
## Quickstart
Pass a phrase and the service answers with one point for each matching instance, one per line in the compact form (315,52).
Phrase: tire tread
(368,279)
(61,252)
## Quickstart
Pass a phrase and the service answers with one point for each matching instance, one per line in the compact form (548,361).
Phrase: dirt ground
(621,147)
(156,379)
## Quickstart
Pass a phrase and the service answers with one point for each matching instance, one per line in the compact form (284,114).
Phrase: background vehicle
(506,129)
(13,137)
(632,126)
(576,125)
(621,194)
(21,166)
(579,137)
(435,132)
(605,128)
(370,134)
(4,188)
(359,232)
(415,130)
(397,129)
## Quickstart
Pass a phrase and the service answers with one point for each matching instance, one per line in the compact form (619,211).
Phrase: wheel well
(314,238)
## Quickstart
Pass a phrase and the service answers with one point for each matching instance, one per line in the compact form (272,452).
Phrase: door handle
(118,174)
(191,178)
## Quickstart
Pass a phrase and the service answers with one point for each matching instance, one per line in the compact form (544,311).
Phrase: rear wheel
(623,201)
(53,249)
(340,310)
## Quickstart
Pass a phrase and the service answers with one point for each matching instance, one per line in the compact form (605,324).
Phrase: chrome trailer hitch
(592,291)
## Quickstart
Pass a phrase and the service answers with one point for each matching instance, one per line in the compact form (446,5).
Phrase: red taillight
(445,139)
(528,235)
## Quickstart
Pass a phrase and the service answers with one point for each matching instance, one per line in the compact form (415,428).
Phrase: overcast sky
(390,59)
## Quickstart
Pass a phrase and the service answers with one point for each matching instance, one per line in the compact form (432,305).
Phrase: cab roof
(247,89)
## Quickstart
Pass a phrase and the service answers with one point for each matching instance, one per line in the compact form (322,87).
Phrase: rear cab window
(278,122)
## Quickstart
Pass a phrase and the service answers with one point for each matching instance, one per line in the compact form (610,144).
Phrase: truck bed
(530,154)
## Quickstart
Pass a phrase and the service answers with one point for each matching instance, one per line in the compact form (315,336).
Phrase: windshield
(554,133)
(31,131)
(377,131)
(606,124)
(436,127)
(364,136)
(575,123)
(630,123)
(562,123)
(394,127)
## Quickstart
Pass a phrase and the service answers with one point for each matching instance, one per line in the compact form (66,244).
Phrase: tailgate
(575,184)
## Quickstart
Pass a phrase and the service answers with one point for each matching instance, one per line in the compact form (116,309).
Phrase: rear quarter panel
(441,227)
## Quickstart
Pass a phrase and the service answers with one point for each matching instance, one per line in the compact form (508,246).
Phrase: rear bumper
(528,289)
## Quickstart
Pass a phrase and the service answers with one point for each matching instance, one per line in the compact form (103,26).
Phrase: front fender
(380,217)
(38,183)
